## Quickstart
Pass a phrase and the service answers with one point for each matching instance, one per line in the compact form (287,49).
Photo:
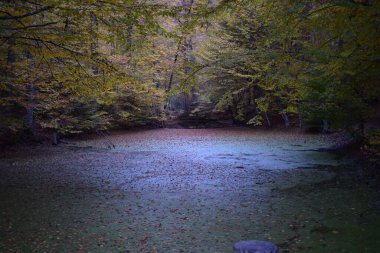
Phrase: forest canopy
(77,66)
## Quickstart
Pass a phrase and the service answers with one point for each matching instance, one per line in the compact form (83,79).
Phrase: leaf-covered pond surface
(177,190)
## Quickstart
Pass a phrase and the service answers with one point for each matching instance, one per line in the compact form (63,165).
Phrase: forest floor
(182,190)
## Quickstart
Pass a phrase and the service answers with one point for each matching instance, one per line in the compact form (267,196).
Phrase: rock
(254,246)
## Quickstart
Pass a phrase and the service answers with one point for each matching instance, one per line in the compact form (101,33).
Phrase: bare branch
(31,26)
(45,8)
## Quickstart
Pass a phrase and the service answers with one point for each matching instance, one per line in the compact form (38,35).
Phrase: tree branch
(27,14)
(31,26)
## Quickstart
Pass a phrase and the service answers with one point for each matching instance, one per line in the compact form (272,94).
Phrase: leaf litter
(180,190)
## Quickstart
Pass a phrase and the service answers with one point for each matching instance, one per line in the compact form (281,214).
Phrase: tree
(56,54)
(318,62)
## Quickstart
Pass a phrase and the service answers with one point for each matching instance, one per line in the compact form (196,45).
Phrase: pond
(182,190)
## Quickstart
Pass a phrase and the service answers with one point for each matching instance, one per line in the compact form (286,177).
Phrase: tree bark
(169,86)
(179,46)
(286,120)
(55,137)
(325,128)
(299,120)
(67,25)
(267,119)
(11,55)
(29,119)
(45,8)
(94,43)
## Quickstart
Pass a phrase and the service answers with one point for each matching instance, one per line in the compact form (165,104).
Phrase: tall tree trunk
(31,89)
(286,119)
(169,86)
(155,80)
(11,54)
(94,43)
(325,127)
(55,137)
(29,119)
(180,47)
(11,58)
(130,31)
(267,119)
(191,98)
(67,25)
(95,69)
(299,120)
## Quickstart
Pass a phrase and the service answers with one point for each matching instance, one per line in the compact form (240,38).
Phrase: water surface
(177,190)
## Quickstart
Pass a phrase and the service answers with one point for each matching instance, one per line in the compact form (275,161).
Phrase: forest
(69,67)
(189,125)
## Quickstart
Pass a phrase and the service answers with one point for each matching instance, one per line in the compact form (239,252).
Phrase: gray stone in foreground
(254,246)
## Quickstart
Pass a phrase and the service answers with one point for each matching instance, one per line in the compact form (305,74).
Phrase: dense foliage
(73,66)
(76,66)
(296,61)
